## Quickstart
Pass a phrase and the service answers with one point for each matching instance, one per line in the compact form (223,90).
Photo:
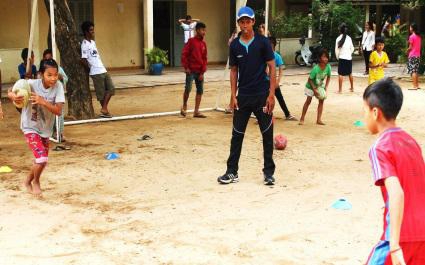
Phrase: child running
(378,61)
(48,97)
(399,170)
(280,65)
(316,86)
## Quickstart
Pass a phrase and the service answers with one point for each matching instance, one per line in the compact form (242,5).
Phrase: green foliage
(328,16)
(396,44)
(259,17)
(412,3)
(293,25)
(396,48)
(156,55)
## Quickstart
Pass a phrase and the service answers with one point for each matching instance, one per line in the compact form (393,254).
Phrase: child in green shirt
(316,86)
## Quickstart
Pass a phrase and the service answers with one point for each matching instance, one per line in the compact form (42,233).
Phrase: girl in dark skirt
(343,50)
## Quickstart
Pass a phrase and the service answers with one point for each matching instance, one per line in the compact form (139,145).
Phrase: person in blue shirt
(279,69)
(252,92)
(22,68)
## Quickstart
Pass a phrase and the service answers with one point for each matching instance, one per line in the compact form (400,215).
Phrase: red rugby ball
(280,142)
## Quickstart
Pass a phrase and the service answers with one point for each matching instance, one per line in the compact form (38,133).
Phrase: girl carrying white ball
(47,95)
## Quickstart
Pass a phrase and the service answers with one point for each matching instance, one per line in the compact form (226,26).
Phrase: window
(81,10)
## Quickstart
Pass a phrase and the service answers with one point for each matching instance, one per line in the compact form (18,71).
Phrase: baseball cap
(245,11)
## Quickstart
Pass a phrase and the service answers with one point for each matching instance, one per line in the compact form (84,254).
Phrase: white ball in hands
(22,89)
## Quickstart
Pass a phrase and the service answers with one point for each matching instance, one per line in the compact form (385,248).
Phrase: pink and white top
(415,42)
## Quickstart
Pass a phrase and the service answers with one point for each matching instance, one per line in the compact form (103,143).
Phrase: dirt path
(160,202)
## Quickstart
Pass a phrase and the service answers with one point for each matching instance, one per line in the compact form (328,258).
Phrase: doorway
(168,34)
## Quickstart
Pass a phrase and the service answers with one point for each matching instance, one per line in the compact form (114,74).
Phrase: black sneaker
(268,180)
(228,178)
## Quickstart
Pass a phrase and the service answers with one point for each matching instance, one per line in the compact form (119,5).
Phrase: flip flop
(199,115)
(105,115)
(144,138)
(182,112)
(61,148)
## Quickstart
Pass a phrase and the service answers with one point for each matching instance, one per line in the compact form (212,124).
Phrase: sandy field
(160,203)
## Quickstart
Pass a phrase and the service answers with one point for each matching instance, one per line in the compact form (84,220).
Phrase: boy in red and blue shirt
(399,170)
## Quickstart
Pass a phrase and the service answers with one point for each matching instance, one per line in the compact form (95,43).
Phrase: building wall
(119,32)
(14,23)
(216,15)
(14,35)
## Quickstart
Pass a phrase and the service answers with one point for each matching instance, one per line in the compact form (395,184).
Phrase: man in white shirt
(188,25)
(91,60)
(368,44)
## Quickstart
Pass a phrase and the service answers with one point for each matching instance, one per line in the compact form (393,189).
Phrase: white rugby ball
(22,88)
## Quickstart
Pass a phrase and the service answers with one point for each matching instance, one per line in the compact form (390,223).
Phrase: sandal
(199,115)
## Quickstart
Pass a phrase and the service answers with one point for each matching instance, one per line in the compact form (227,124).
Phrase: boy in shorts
(194,62)
(91,60)
(399,170)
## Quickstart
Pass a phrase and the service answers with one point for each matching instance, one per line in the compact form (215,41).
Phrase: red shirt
(194,55)
(397,154)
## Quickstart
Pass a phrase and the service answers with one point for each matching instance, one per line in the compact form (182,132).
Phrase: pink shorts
(39,147)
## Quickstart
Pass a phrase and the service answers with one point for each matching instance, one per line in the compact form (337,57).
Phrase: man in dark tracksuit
(250,54)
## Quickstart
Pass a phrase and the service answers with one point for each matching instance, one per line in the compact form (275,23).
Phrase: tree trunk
(78,91)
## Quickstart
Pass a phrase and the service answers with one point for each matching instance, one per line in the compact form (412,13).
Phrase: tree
(78,91)
(327,17)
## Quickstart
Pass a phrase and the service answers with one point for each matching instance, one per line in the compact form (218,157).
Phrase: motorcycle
(307,55)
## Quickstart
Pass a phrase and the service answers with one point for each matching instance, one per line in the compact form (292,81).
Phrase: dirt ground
(160,203)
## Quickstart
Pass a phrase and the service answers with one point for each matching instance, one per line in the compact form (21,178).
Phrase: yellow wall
(14,23)
(119,36)
(14,35)
(9,67)
(216,15)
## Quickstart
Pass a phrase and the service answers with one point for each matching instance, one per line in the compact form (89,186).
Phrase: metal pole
(267,18)
(31,40)
(52,28)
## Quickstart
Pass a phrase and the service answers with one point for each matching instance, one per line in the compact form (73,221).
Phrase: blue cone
(342,204)
(111,156)
(359,124)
